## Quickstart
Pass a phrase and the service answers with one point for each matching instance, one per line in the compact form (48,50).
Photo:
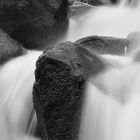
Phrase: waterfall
(117,21)
(112,103)
(16,107)
(112,98)
(111,107)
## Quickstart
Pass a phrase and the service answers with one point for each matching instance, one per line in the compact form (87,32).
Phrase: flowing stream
(118,21)
(17,115)
(112,102)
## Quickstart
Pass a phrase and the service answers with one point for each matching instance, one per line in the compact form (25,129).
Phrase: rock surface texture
(61,73)
(35,23)
(104,45)
(78,9)
(58,95)
(94,2)
(9,48)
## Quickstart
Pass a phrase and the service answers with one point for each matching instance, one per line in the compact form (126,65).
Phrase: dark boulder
(60,76)
(104,45)
(9,48)
(57,98)
(35,23)
(58,90)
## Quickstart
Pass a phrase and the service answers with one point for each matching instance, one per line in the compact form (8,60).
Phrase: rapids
(17,115)
(112,98)
(118,21)
(112,102)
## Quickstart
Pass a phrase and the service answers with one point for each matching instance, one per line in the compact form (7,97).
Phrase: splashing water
(112,104)
(134,3)
(16,108)
(117,21)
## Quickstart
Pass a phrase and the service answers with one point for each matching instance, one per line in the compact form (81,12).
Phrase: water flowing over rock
(35,23)
(78,9)
(94,2)
(61,74)
(9,48)
(104,45)
(134,41)
(57,97)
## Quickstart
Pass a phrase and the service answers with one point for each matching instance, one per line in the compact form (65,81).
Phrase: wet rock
(58,90)
(60,76)
(57,99)
(92,2)
(104,45)
(136,56)
(99,2)
(134,41)
(71,2)
(109,1)
(9,48)
(78,9)
(35,23)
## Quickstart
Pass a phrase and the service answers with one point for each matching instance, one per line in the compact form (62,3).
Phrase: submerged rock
(104,45)
(35,23)
(9,48)
(58,92)
(95,2)
(134,41)
(78,9)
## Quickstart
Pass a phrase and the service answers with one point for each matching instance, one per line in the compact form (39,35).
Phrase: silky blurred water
(117,21)
(17,115)
(112,104)
(112,101)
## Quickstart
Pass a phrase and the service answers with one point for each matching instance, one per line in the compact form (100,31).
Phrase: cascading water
(117,21)
(112,102)
(16,108)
